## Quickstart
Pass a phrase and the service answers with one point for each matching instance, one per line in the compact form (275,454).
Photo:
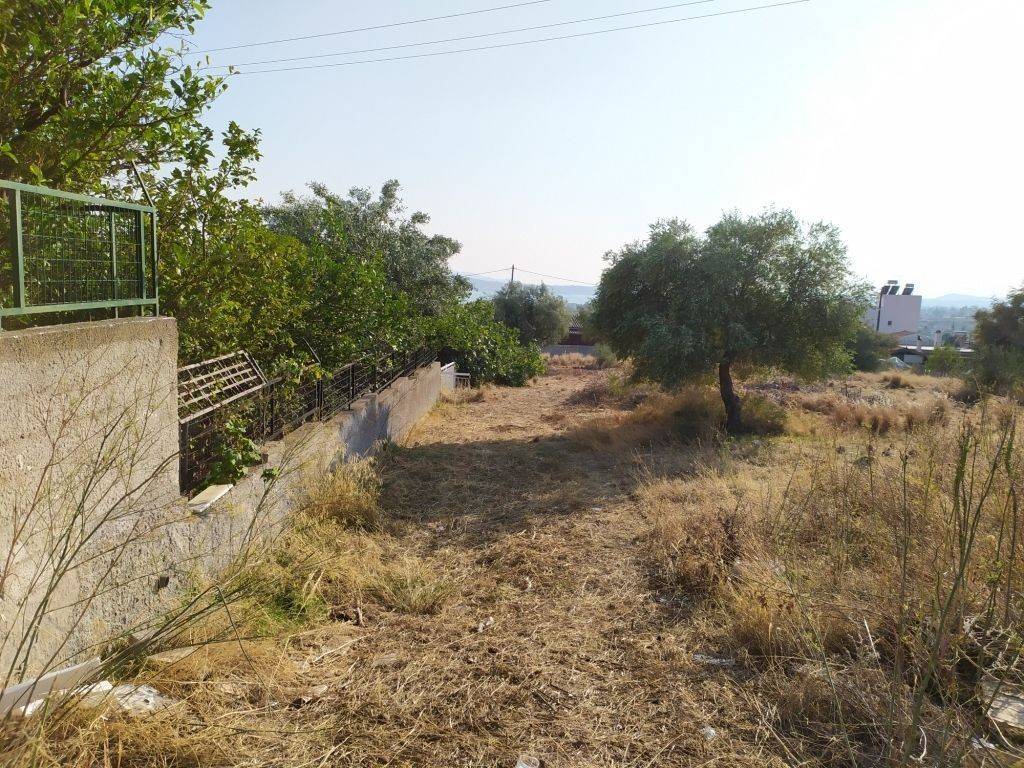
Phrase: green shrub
(868,349)
(606,358)
(488,351)
(944,361)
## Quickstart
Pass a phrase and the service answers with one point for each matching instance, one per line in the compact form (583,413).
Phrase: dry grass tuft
(571,361)
(696,532)
(349,496)
(878,418)
(410,587)
(692,414)
(465,395)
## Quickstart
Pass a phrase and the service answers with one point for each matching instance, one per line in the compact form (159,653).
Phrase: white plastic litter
(135,700)
(713,661)
(528,761)
(709,733)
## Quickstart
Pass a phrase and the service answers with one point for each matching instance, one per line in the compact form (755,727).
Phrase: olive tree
(764,289)
(538,314)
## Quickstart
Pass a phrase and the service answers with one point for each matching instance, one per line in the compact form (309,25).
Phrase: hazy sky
(901,121)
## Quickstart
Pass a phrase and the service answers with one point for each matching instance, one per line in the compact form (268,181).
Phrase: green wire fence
(65,252)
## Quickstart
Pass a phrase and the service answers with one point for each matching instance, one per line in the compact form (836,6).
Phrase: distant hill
(958,300)
(485,287)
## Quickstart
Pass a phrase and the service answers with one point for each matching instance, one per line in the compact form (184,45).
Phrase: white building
(897,312)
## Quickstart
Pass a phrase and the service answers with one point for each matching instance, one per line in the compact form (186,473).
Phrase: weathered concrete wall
(88,468)
(87,456)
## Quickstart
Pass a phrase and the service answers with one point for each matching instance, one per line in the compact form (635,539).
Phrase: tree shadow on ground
(484,490)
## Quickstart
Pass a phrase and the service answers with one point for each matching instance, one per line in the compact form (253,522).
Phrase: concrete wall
(88,466)
(569,349)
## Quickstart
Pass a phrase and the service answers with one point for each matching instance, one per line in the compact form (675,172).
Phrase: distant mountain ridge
(485,287)
(958,300)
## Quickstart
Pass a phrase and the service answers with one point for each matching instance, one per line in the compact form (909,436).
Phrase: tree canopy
(87,89)
(534,311)
(763,289)
(999,334)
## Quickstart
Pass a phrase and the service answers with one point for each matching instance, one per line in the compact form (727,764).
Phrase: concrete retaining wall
(88,466)
(569,349)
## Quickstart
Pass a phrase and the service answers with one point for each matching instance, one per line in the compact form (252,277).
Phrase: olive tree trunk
(733,406)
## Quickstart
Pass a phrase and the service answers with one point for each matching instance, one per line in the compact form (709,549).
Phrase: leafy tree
(363,228)
(489,351)
(868,348)
(230,281)
(944,361)
(534,311)
(762,290)
(86,88)
(1000,343)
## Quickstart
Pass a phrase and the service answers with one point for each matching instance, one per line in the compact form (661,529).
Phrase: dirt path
(551,642)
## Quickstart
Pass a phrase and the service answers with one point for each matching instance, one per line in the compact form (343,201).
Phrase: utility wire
(527,42)
(370,29)
(478,274)
(530,272)
(465,37)
(555,277)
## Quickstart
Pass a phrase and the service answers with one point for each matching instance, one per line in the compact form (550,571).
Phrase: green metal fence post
(113,262)
(17,248)
(140,254)
(156,268)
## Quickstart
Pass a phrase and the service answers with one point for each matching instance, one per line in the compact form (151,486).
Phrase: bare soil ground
(553,642)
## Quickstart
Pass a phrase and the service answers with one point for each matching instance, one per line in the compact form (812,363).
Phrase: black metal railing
(273,409)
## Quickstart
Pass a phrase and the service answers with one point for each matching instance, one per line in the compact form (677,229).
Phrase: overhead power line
(370,29)
(531,272)
(555,277)
(491,272)
(536,41)
(466,37)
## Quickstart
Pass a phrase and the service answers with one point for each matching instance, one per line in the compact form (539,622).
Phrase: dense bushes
(468,335)
(868,348)
(999,362)
(340,276)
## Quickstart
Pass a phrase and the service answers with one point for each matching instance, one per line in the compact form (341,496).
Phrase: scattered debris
(135,700)
(528,761)
(709,733)
(16,698)
(1005,707)
(488,622)
(714,661)
(313,694)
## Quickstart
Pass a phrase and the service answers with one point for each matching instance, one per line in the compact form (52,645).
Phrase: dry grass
(348,496)
(465,395)
(572,361)
(526,594)
(696,532)
(854,590)
(692,414)
(878,418)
